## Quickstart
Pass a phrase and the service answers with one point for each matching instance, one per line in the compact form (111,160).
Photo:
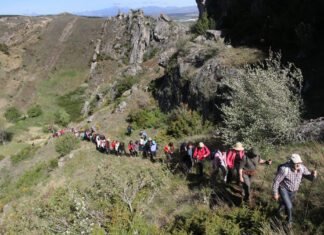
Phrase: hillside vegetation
(157,76)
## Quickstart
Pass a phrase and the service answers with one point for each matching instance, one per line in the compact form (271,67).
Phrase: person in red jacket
(201,152)
(168,150)
(233,161)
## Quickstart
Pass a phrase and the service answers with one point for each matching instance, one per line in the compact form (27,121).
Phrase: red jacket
(130,147)
(231,157)
(113,144)
(168,149)
(201,152)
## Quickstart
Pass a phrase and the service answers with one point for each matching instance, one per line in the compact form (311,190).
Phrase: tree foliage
(203,24)
(264,103)
(66,143)
(34,111)
(12,114)
(62,118)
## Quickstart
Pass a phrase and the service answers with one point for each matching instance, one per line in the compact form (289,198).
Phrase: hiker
(201,153)
(142,143)
(147,148)
(248,170)
(219,162)
(107,147)
(143,133)
(184,156)
(113,145)
(136,148)
(131,149)
(287,181)
(168,150)
(153,150)
(190,153)
(121,149)
(129,130)
(116,148)
(233,161)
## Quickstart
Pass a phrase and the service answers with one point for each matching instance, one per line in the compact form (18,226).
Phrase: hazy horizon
(24,7)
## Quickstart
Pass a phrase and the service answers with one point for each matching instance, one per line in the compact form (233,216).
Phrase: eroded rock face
(193,78)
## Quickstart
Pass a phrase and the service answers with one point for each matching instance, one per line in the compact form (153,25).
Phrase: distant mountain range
(150,10)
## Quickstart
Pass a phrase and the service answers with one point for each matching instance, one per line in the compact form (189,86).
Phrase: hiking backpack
(286,165)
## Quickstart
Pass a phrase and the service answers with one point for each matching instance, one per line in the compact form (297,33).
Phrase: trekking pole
(309,193)
(265,174)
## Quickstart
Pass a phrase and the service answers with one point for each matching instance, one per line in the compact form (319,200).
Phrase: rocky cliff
(294,27)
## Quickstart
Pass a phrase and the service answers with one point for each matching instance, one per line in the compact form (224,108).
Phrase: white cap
(295,158)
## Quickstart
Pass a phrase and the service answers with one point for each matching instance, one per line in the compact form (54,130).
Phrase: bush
(62,118)
(1,157)
(203,24)
(25,153)
(186,122)
(12,114)
(125,83)
(264,103)
(147,118)
(66,143)
(34,111)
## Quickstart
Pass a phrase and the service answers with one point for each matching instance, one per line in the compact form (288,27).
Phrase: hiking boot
(290,226)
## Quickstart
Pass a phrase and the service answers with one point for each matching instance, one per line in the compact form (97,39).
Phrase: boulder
(213,34)
(161,31)
(200,38)
(165,18)
(127,93)
(121,107)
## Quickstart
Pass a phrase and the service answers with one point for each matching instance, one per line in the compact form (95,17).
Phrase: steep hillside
(67,71)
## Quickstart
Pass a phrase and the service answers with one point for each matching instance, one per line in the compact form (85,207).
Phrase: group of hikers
(237,163)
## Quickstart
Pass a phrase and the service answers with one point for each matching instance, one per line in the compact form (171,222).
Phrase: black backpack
(212,155)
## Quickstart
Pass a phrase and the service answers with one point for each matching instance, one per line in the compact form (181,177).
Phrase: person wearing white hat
(233,161)
(287,182)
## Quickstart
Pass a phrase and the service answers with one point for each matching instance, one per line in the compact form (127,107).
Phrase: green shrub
(203,24)
(34,111)
(147,118)
(66,143)
(186,122)
(12,114)
(125,83)
(62,118)
(1,157)
(53,163)
(264,103)
(25,153)
(4,48)
(73,103)
(234,221)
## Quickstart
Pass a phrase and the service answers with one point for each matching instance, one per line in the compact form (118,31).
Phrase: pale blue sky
(58,6)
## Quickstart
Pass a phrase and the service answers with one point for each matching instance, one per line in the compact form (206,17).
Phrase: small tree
(264,103)
(34,111)
(66,143)
(203,24)
(62,118)
(12,114)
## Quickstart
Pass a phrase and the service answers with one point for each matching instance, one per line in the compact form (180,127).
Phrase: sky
(72,6)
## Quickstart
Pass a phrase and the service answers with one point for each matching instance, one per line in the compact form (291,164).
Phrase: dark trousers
(233,172)
(286,202)
(200,167)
